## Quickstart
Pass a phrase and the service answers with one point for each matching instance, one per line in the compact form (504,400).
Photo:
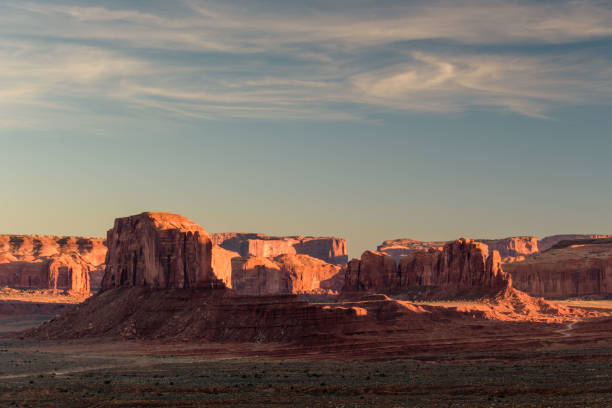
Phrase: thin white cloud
(308,64)
(526,85)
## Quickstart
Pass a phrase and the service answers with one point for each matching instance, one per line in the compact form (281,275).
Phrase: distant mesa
(571,268)
(328,249)
(285,274)
(549,267)
(546,243)
(60,264)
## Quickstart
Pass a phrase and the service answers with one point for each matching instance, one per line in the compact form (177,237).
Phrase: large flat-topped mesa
(158,250)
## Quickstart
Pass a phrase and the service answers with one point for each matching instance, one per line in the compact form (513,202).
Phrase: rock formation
(570,268)
(158,250)
(329,249)
(375,270)
(284,274)
(50,262)
(462,266)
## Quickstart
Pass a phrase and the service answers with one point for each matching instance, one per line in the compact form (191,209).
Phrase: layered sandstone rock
(284,274)
(569,269)
(158,250)
(460,266)
(50,262)
(328,249)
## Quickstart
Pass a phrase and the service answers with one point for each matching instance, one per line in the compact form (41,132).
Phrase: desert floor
(501,365)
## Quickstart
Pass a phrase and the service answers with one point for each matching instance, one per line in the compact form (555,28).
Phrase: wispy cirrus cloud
(336,60)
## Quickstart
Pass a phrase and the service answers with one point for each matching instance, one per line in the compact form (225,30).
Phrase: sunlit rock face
(576,267)
(158,250)
(285,274)
(458,265)
(328,249)
(50,262)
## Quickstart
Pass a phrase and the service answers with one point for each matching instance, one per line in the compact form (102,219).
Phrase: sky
(369,120)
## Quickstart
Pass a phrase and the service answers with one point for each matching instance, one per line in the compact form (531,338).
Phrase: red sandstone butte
(328,249)
(460,266)
(51,262)
(158,250)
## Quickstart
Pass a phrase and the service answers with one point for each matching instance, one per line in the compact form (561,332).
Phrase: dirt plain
(480,364)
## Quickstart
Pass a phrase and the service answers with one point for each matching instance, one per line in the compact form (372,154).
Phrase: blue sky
(368,120)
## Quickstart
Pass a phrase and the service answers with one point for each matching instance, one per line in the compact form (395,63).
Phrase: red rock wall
(158,250)
(461,264)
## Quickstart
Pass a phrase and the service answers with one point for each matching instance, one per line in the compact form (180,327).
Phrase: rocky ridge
(460,268)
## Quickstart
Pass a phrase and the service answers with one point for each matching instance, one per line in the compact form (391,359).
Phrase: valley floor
(34,375)
(478,363)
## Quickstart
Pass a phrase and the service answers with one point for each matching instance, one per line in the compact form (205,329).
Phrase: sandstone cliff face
(222,264)
(328,249)
(49,262)
(575,269)
(158,250)
(285,274)
(375,270)
(462,265)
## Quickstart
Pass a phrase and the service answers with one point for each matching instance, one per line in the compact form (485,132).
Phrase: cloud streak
(340,61)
